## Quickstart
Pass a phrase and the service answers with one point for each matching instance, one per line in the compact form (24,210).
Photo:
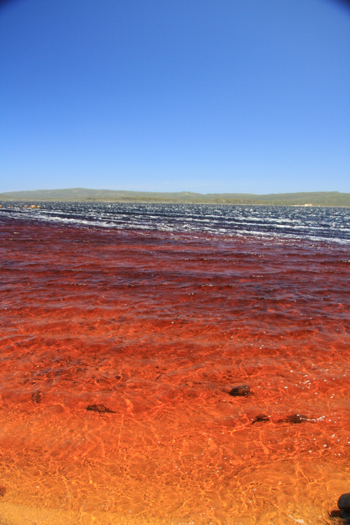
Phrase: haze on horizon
(223,96)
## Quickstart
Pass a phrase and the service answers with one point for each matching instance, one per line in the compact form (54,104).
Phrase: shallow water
(157,327)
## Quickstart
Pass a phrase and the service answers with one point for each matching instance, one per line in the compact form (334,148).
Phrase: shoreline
(208,203)
(328,199)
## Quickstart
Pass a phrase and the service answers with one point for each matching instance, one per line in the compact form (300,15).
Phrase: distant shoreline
(301,199)
(252,203)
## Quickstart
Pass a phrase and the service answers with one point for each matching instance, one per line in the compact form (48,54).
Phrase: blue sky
(241,96)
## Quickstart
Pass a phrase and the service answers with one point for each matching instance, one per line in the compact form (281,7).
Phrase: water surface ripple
(120,347)
(290,222)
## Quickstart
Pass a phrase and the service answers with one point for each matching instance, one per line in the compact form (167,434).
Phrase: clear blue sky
(169,95)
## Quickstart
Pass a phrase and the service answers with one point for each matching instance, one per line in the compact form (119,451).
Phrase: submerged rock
(100,408)
(242,390)
(261,418)
(294,418)
(2,491)
(36,397)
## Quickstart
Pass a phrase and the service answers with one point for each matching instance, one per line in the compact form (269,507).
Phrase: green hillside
(323,198)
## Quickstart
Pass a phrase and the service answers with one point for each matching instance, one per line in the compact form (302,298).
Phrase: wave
(315,224)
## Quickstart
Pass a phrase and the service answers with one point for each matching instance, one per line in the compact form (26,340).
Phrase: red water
(157,328)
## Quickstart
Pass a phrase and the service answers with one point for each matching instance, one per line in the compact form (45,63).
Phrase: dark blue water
(295,222)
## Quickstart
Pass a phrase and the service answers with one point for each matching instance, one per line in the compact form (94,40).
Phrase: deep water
(281,222)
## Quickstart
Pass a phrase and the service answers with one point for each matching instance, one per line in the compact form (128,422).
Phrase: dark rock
(242,391)
(2,491)
(295,418)
(344,506)
(36,397)
(344,502)
(261,418)
(100,408)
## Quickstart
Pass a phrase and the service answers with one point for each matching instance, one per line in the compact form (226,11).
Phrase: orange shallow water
(157,328)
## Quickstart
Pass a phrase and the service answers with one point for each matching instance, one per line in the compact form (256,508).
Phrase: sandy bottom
(118,353)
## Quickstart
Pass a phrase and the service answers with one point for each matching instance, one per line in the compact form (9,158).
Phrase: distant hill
(322,198)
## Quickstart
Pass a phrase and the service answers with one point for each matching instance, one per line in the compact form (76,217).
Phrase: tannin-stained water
(118,352)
